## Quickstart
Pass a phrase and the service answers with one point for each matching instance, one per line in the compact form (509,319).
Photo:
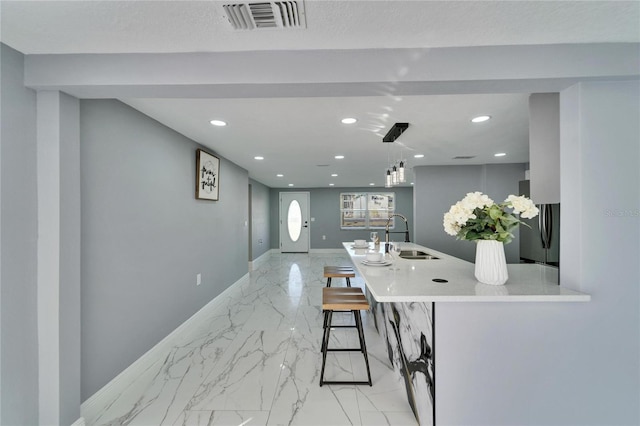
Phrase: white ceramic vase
(491,265)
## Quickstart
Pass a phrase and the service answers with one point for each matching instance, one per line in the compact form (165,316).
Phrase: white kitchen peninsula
(403,297)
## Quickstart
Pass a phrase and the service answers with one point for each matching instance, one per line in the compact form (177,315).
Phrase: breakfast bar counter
(412,280)
(404,294)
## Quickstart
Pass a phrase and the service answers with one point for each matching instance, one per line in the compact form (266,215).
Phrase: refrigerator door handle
(545,222)
(541,223)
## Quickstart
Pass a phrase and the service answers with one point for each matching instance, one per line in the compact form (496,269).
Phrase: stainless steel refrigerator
(541,242)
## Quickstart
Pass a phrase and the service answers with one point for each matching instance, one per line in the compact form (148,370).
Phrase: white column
(48,169)
(1,102)
(58,300)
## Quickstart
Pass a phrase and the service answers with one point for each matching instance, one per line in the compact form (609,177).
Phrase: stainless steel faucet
(387,232)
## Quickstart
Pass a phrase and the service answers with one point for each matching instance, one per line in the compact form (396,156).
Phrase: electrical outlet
(324,237)
(198,279)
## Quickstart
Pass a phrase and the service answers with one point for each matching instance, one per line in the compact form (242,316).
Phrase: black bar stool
(343,299)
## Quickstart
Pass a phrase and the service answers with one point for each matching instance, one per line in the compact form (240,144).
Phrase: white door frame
(286,245)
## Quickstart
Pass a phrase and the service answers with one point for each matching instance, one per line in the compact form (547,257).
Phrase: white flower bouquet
(478,217)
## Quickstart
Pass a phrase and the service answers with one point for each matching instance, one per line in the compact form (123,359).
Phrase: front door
(294,222)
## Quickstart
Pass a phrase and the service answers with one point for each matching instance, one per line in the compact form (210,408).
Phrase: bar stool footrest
(344,350)
(344,326)
(333,382)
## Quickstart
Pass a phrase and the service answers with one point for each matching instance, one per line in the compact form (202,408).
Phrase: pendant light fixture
(387,180)
(396,173)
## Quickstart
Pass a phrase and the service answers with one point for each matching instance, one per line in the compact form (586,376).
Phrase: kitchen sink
(416,254)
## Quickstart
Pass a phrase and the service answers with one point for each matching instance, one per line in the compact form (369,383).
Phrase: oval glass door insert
(294,220)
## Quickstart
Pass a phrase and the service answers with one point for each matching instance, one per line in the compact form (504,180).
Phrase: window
(294,220)
(366,210)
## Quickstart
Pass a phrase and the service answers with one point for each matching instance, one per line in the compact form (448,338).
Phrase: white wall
(563,363)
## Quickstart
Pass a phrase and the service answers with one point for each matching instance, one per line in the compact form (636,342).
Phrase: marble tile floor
(254,359)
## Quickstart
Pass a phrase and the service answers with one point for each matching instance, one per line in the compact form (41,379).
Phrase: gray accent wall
(145,237)
(18,245)
(544,147)
(260,219)
(325,211)
(437,188)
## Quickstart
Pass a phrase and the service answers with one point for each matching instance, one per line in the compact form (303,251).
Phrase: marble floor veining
(254,359)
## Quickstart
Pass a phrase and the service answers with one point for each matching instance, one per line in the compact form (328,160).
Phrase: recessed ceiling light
(480,118)
(418,156)
(331,184)
(218,123)
(258,158)
(339,157)
(290,184)
(372,184)
(349,120)
(500,154)
(411,183)
(334,175)
(279,175)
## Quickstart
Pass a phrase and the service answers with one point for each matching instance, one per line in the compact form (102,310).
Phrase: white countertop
(411,280)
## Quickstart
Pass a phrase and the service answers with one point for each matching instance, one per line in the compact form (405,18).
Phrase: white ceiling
(296,135)
(201,26)
(299,138)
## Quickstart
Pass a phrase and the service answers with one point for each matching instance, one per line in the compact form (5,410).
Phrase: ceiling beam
(370,72)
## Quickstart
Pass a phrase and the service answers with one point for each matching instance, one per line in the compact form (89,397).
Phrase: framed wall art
(207,176)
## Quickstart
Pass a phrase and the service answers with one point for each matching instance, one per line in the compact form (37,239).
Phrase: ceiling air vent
(464,157)
(266,15)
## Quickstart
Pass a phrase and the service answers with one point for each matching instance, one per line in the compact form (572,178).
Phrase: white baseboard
(329,250)
(90,408)
(317,251)
(79,422)
(255,263)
